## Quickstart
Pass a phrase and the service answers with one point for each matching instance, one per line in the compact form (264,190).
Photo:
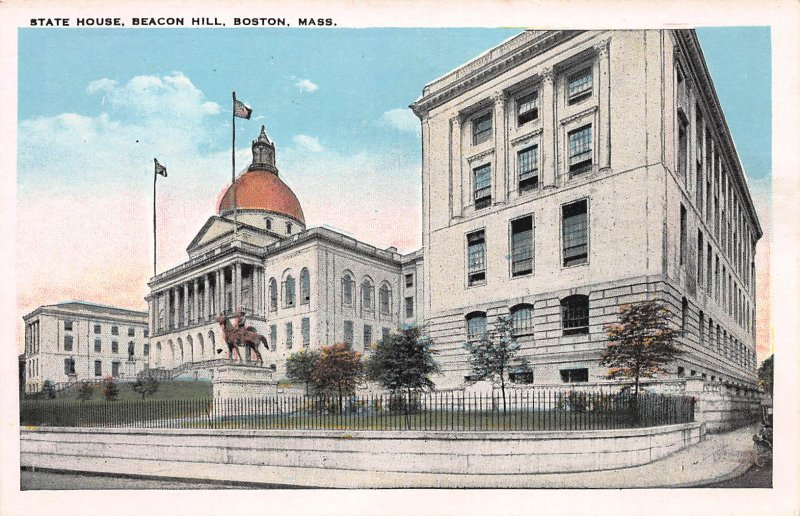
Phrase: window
(681,371)
(146,349)
(476,258)
(709,271)
(580,150)
(131,349)
(114,330)
(347,290)
(684,315)
(579,86)
(305,330)
(521,376)
(476,326)
(289,335)
(575,315)
(288,292)
(409,307)
(114,346)
(699,258)
(482,180)
(522,246)
(115,369)
(67,325)
(367,336)
(131,332)
(575,233)
(682,250)
(69,366)
(97,329)
(67,342)
(146,332)
(409,280)
(701,328)
(385,295)
(273,337)
(522,319)
(288,228)
(305,287)
(683,146)
(367,295)
(528,169)
(268,223)
(385,333)
(98,368)
(273,295)
(348,332)
(574,375)
(97,346)
(527,108)
(481,128)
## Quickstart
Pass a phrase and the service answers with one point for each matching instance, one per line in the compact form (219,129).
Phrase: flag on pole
(160,169)
(240,110)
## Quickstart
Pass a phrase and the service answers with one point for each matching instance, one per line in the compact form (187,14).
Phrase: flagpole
(155,177)
(233,164)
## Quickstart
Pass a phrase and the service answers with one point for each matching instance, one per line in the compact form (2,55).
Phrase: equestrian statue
(240,335)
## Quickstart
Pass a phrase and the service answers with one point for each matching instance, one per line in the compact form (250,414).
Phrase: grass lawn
(175,390)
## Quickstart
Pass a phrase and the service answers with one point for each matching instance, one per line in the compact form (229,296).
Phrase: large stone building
(567,173)
(76,340)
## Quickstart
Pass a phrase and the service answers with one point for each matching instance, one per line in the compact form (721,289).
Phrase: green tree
(300,367)
(110,389)
(146,386)
(490,358)
(641,343)
(48,390)
(85,391)
(766,374)
(339,369)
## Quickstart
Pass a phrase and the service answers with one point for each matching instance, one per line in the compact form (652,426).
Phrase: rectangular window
(114,330)
(409,307)
(528,169)
(699,258)
(69,366)
(522,246)
(131,350)
(146,332)
(580,150)
(682,250)
(579,86)
(146,349)
(476,258)
(527,108)
(481,128)
(709,271)
(574,375)
(114,346)
(348,332)
(482,181)
(305,329)
(115,369)
(273,337)
(67,325)
(97,346)
(575,233)
(97,329)
(702,328)
(409,280)
(131,332)
(67,342)
(289,335)
(98,368)
(367,336)
(683,146)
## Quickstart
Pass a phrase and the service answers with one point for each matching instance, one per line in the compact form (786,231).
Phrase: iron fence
(519,411)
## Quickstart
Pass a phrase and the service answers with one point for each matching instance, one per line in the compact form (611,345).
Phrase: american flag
(160,169)
(240,110)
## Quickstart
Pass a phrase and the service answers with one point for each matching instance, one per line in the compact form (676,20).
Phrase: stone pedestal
(242,381)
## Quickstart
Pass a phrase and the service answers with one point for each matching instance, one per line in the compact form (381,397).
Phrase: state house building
(564,174)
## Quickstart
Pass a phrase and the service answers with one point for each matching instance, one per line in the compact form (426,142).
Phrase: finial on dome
(263,153)
(263,136)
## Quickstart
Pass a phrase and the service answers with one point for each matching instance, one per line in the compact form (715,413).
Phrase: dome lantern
(263,153)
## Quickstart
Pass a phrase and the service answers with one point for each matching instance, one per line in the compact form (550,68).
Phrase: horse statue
(240,335)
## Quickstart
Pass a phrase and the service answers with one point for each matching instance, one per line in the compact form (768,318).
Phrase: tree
(338,369)
(490,357)
(48,390)
(145,387)
(300,367)
(641,344)
(110,389)
(766,374)
(85,391)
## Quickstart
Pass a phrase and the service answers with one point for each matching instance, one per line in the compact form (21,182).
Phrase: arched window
(305,287)
(575,315)
(476,325)
(131,350)
(288,292)
(522,319)
(367,295)
(385,299)
(273,295)
(347,290)
(268,223)
(684,315)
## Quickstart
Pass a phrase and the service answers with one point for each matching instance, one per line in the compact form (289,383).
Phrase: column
(195,299)
(604,95)
(151,304)
(549,145)
(456,179)
(237,285)
(176,307)
(185,307)
(499,172)
(221,290)
(206,298)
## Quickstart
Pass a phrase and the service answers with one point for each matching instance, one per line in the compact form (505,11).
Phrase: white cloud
(402,119)
(307,143)
(306,85)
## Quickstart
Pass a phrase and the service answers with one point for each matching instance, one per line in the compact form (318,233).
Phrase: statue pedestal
(242,381)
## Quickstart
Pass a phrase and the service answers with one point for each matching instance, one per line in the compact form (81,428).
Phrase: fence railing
(520,411)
